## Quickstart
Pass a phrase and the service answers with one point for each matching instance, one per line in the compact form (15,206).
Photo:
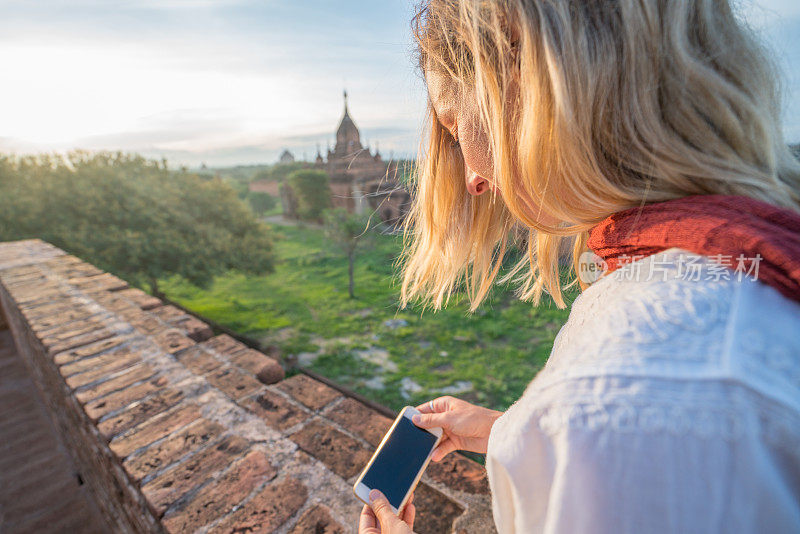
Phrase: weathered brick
(110,366)
(66,262)
(128,377)
(361,420)
(104,281)
(249,360)
(52,307)
(147,409)
(145,322)
(172,341)
(189,325)
(225,344)
(318,520)
(119,399)
(198,360)
(79,341)
(89,350)
(216,499)
(310,392)
(268,510)
(70,330)
(459,473)
(107,361)
(168,313)
(194,328)
(46,325)
(21,272)
(276,410)
(172,449)
(113,301)
(341,453)
(140,298)
(153,430)
(267,370)
(234,382)
(271,373)
(173,484)
(40,294)
(435,511)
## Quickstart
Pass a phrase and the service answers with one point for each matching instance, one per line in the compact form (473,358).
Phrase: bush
(261,202)
(311,192)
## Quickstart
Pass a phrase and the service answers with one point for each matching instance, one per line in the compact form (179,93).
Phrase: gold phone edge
(378,450)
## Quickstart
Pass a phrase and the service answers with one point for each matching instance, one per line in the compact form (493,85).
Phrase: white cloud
(235,78)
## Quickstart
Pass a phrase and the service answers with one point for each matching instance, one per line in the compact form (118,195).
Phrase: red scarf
(725,228)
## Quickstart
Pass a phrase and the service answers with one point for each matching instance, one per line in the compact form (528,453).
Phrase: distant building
(286,157)
(271,187)
(361,180)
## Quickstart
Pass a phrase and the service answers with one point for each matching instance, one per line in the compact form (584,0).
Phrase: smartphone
(399,461)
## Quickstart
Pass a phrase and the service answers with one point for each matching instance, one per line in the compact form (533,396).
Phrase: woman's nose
(476,185)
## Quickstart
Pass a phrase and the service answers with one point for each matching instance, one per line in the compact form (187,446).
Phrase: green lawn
(487,357)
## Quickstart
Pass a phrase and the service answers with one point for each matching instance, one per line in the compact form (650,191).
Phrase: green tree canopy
(311,191)
(278,172)
(132,216)
(261,202)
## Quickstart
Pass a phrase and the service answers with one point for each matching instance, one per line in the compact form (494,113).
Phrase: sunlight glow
(73,94)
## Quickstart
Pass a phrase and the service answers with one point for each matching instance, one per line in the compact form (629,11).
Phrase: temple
(361,181)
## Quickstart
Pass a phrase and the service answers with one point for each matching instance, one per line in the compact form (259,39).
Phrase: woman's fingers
(367,522)
(409,512)
(383,510)
(439,404)
(443,449)
(431,420)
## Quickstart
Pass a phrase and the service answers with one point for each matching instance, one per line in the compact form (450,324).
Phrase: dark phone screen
(398,463)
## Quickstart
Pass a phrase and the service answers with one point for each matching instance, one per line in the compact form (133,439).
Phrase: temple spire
(345,101)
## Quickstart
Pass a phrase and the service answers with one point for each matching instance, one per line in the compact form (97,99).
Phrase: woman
(645,131)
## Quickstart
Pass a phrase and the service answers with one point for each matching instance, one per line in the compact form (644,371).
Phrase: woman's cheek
(477,154)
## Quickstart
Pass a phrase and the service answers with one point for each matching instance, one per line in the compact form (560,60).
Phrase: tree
(347,231)
(261,202)
(278,172)
(132,216)
(311,191)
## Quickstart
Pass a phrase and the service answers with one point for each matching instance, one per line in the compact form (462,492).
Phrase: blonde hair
(590,107)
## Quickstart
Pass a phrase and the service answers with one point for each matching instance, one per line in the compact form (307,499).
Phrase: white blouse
(670,403)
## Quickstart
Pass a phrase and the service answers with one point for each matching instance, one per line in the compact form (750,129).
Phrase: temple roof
(348,138)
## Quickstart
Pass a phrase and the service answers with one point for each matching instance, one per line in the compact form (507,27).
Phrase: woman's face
(459,114)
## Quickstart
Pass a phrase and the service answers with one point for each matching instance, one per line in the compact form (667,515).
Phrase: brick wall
(174,429)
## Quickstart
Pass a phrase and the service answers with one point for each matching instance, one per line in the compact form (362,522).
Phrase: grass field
(393,356)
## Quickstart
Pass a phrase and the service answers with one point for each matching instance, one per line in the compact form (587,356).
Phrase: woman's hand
(377,517)
(466,426)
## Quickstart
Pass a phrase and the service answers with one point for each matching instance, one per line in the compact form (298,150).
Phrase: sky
(227,82)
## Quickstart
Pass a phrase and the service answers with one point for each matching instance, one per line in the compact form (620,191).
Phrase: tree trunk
(350,261)
(154,288)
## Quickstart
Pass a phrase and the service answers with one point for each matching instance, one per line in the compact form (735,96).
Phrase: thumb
(383,510)
(430,420)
